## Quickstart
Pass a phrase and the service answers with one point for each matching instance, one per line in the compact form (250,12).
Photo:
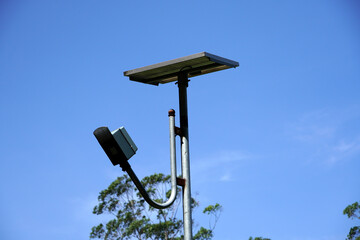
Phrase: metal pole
(137,182)
(185,160)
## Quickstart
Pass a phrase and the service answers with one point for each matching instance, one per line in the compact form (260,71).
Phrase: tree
(353,211)
(133,218)
(259,238)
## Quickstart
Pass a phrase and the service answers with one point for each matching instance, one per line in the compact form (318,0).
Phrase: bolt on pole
(185,160)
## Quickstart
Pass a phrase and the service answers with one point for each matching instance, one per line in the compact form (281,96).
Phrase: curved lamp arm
(137,182)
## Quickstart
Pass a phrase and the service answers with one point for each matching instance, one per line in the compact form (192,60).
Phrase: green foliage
(259,238)
(135,219)
(212,209)
(203,234)
(353,211)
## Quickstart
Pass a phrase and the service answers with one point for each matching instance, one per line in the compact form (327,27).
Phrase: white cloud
(83,207)
(218,166)
(226,177)
(323,134)
(313,133)
(343,150)
(345,147)
(313,127)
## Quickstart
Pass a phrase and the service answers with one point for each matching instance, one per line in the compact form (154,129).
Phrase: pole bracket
(178,131)
(180,181)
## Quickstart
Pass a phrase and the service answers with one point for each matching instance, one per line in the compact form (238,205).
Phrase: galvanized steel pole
(137,182)
(185,160)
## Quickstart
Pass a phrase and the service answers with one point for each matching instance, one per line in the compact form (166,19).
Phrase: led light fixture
(117,145)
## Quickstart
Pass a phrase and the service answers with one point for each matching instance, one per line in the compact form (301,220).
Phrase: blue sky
(275,141)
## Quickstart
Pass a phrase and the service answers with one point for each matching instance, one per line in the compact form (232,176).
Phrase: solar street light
(180,70)
(119,147)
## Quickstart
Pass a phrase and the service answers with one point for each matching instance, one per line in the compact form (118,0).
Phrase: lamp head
(117,145)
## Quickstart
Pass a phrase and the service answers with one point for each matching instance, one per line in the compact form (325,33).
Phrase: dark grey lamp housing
(118,145)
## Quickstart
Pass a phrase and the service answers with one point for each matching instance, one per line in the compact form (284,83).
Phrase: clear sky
(275,141)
